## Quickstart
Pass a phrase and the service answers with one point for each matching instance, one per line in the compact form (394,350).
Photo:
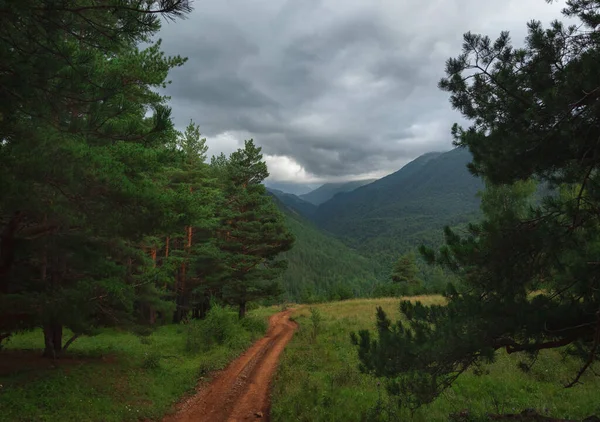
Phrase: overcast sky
(331,89)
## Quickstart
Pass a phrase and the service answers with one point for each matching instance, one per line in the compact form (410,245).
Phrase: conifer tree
(252,231)
(83,165)
(405,270)
(534,114)
(193,178)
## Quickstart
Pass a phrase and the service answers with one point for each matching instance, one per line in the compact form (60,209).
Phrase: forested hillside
(405,209)
(294,203)
(321,267)
(329,190)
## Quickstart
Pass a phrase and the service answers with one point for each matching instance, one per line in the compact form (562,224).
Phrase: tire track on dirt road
(241,391)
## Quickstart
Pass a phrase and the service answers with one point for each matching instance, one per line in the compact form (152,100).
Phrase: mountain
(294,203)
(404,209)
(329,190)
(290,187)
(321,267)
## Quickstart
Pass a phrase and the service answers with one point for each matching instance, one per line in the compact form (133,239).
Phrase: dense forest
(321,267)
(109,215)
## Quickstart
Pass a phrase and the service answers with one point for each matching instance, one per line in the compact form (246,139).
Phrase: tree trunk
(167,244)
(242,310)
(7,249)
(178,271)
(52,340)
(153,256)
(151,310)
(204,307)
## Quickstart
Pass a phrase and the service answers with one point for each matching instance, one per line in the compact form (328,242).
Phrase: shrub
(315,319)
(221,326)
(151,360)
(145,340)
(254,325)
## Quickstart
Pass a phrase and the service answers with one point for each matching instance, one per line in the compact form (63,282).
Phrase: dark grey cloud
(331,89)
(225,91)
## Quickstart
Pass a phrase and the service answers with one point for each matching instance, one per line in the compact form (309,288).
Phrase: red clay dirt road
(241,391)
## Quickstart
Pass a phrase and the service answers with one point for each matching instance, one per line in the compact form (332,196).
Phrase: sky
(332,90)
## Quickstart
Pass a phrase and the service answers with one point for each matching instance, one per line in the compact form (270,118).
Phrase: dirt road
(241,391)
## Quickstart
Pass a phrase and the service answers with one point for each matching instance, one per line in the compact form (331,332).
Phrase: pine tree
(405,270)
(194,179)
(252,231)
(83,166)
(535,119)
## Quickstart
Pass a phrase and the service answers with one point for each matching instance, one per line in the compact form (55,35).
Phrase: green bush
(315,319)
(222,327)
(252,305)
(151,360)
(254,325)
(145,340)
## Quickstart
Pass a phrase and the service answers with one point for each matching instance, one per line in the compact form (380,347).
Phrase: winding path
(241,391)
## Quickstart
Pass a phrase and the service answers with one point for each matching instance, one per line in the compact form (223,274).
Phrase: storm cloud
(331,89)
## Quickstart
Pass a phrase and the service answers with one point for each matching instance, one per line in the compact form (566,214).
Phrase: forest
(135,268)
(110,216)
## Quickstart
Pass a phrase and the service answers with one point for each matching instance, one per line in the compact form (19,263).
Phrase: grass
(318,377)
(118,376)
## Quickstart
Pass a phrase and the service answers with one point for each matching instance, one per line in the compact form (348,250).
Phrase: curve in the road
(241,391)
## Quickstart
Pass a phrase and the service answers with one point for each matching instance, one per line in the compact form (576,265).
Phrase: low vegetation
(120,376)
(319,377)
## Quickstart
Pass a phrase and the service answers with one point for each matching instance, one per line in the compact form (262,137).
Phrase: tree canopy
(529,269)
(108,214)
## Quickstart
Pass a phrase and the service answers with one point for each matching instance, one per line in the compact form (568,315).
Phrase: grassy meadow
(118,376)
(318,377)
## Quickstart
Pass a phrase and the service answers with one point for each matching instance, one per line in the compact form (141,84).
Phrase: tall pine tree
(85,142)
(535,115)
(252,231)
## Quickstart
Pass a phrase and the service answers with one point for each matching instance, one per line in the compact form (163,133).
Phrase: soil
(241,392)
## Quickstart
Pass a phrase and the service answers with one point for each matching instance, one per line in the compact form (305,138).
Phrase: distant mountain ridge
(347,244)
(329,190)
(294,203)
(295,188)
(406,208)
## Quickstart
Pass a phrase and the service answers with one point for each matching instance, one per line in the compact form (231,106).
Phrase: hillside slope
(405,209)
(295,203)
(329,190)
(321,266)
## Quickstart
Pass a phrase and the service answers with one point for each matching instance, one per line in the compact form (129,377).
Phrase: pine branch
(592,354)
(175,8)
(513,347)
